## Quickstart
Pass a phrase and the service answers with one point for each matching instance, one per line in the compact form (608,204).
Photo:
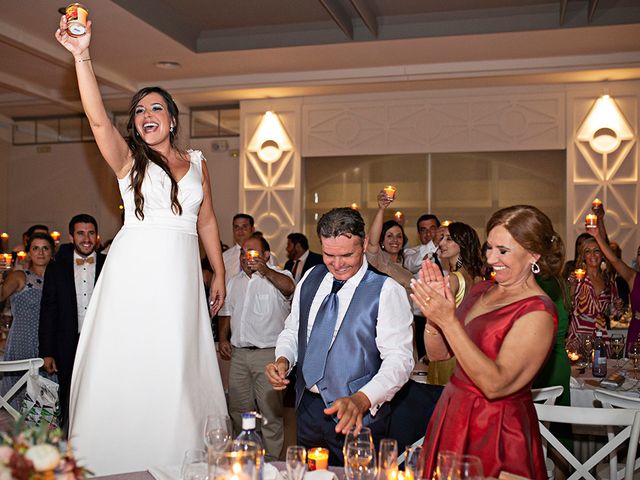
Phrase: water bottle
(249,434)
(599,356)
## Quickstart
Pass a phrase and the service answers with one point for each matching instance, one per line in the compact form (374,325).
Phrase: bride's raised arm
(113,147)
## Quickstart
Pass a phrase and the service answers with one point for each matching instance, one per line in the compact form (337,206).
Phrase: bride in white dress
(145,374)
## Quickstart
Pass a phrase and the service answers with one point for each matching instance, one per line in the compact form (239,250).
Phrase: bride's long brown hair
(143,154)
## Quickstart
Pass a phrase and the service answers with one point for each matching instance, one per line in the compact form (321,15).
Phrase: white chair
(616,400)
(547,395)
(628,419)
(30,366)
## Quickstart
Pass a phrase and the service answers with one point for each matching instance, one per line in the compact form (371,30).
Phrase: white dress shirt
(231,259)
(394,335)
(301,261)
(413,256)
(85,278)
(257,310)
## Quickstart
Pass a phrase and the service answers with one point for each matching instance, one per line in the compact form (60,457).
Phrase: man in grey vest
(348,335)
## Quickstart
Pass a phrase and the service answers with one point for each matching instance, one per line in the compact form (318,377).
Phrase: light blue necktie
(315,357)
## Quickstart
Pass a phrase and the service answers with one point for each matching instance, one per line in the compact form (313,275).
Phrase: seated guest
(349,336)
(460,256)
(299,257)
(24,287)
(500,335)
(596,296)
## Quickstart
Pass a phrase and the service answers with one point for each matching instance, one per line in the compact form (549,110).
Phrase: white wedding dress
(145,375)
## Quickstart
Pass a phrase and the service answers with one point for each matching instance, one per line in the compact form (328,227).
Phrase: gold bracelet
(83,60)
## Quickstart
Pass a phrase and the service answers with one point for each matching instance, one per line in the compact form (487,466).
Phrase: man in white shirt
(67,289)
(349,336)
(243,228)
(250,321)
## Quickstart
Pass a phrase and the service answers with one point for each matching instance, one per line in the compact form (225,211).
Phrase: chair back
(547,395)
(628,420)
(30,366)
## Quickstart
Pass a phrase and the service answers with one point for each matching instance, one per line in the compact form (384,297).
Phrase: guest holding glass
(460,255)
(595,297)
(24,288)
(501,335)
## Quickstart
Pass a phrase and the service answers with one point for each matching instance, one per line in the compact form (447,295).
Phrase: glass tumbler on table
(388,459)
(587,345)
(444,465)
(194,465)
(467,467)
(617,346)
(634,355)
(413,467)
(296,462)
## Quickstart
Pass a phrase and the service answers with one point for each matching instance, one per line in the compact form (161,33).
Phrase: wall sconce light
(605,127)
(270,139)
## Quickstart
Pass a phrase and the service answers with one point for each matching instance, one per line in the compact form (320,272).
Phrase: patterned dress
(590,310)
(22,341)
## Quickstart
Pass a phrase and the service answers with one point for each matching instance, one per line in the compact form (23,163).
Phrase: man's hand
(277,373)
(50,365)
(349,411)
(225,350)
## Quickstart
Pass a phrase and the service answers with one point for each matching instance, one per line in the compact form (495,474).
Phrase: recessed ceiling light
(167,65)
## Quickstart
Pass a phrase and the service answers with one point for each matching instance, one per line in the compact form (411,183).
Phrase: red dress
(504,432)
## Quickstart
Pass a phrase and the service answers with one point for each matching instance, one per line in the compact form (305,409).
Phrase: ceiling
(245,49)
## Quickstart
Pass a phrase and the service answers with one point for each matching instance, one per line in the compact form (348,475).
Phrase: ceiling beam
(593,5)
(54,53)
(563,10)
(339,17)
(20,85)
(367,16)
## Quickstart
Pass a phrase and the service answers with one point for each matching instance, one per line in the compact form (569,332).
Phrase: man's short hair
(246,216)
(263,242)
(82,218)
(299,239)
(341,221)
(427,216)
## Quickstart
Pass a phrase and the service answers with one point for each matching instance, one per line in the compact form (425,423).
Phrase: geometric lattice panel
(613,177)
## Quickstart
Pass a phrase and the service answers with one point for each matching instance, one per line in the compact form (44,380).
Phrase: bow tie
(82,261)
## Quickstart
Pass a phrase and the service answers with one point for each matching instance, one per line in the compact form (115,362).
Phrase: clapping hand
(432,294)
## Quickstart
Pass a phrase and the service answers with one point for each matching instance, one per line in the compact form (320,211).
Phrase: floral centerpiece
(37,453)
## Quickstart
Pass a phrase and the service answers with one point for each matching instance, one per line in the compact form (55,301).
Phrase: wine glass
(388,458)
(412,463)
(363,435)
(634,355)
(617,345)
(444,465)
(296,462)
(467,467)
(360,461)
(194,465)
(217,432)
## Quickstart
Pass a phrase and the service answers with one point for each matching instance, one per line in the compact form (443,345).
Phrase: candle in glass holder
(597,203)
(579,273)
(318,459)
(399,217)
(355,206)
(573,356)
(446,223)
(56,236)
(22,256)
(591,221)
(390,191)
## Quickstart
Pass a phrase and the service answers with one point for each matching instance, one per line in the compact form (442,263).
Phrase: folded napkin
(320,475)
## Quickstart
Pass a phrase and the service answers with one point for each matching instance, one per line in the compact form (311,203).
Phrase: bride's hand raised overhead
(76,45)
(431,293)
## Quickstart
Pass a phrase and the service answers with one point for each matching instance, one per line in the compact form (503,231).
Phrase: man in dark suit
(68,285)
(300,257)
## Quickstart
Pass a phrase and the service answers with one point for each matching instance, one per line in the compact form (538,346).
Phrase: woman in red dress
(501,335)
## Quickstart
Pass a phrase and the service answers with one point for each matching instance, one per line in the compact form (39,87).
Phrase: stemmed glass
(444,465)
(617,345)
(388,458)
(467,467)
(363,435)
(634,355)
(412,463)
(360,461)
(217,433)
(296,462)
